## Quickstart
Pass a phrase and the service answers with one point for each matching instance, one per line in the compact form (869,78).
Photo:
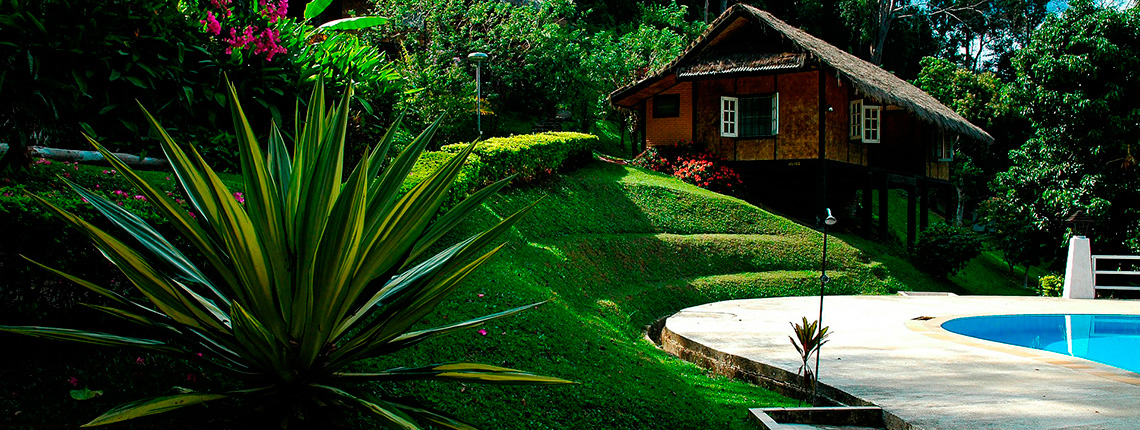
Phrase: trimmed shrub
(1051,285)
(531,156)
(943,250)
(429,162)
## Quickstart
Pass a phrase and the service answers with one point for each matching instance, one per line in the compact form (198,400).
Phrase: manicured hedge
(530,155)
(429,162)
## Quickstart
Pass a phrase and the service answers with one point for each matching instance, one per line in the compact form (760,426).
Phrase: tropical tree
(1081,89)
(312,273)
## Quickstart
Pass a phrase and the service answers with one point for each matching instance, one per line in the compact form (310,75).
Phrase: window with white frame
(728,108)
(856,125)
(872,121)
(944,146)
(748,117)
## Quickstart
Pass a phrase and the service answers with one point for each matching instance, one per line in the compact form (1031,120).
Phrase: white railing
(1098,270)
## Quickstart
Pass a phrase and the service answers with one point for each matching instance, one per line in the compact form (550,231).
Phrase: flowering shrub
(687,162)
(651,159)
(708,175)
(249,30)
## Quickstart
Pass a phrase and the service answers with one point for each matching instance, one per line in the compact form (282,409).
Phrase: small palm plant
(313,273)
(808,338)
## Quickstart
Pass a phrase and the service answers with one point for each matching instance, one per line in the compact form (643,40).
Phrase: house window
(728,107)
(871,123)
(944,146)
(856,112)
(667,106)
(749,116)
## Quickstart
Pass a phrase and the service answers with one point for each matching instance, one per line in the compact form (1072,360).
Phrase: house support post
(923,204)
(911,222)
(868,202)
(884,190)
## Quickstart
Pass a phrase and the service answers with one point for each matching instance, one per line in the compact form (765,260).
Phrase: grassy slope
(615,248)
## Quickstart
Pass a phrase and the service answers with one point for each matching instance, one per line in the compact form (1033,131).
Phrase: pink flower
(191,213)
(268,42)
(239,41)
(480,294)
(140,361)
(483,332)
(84,199)
(274,10)
(212,25)
(73,381)
(140,197)
(239,197)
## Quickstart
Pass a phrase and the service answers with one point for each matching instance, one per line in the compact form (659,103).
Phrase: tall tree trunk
(960,212)
(883,16)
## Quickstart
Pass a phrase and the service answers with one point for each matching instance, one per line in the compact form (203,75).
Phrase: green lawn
(611,249)
(615,248)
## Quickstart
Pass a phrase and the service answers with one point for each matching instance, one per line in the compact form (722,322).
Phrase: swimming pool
(1109,339)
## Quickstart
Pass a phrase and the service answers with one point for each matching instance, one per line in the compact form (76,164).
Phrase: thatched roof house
(785,105)
(705,58)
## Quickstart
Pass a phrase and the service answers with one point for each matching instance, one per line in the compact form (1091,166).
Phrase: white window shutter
(872,122)
(728,114)
(775,113)
(856,113)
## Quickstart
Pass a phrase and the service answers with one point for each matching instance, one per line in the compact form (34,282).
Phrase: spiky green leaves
(313,272)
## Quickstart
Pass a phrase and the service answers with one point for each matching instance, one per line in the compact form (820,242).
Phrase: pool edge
(932,327)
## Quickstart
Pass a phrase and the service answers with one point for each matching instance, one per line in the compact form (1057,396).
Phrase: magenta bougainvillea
(253,32)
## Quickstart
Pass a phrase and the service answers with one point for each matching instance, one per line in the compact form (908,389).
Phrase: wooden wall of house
(838,126)
(798,135)
(669,131)
(907,145)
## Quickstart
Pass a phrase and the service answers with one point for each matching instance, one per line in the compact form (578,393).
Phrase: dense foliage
(308,273)
(942,249)
(79,66)
(1051,286)
(1080,89)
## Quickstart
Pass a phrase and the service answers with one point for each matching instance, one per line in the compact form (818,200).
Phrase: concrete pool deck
(921,375)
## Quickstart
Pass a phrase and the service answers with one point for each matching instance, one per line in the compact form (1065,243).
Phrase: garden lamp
(478,58)
(823,280)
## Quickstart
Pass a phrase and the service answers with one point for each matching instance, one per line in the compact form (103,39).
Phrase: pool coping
(932,327)
(922,376)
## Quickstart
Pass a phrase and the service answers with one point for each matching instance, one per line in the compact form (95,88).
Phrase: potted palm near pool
(312,273)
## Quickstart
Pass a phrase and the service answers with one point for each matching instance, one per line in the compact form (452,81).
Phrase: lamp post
(478,58)
(823,280)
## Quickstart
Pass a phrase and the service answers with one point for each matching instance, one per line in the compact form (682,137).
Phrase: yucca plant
(313,273)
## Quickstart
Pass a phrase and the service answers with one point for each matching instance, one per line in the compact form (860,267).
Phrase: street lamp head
(830,220)
(477,57)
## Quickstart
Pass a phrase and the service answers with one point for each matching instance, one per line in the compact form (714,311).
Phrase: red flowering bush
(708,175)
(688,162)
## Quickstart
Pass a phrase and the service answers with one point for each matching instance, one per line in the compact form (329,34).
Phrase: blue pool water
(1109,339)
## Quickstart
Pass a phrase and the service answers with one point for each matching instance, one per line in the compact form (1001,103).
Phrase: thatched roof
(868,79)
(738,62)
